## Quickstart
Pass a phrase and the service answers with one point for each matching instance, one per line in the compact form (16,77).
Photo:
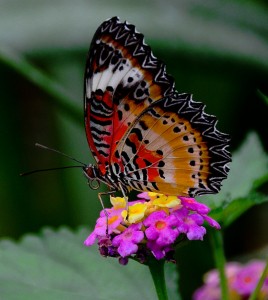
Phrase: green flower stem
(254,295)
(60,98)
(217,246)
(263,96)
(157,271)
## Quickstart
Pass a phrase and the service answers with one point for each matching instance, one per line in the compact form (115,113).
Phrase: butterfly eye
(91,175)
(89,172)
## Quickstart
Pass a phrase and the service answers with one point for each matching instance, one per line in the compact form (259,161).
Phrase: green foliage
(56,265)
(240,191)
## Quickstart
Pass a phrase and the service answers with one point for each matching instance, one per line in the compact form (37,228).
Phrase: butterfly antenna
(57,168)
(59,152)
(49,169)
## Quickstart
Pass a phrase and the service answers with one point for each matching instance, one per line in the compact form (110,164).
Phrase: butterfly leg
(104,209)
(101,201)
(125,197)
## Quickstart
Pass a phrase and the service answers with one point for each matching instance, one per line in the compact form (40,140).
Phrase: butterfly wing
(173,147)
(122,79)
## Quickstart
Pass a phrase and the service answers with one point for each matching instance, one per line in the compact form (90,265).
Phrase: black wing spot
(161,174)
(126,107)
(120,115)
(161,164)
(191,150)
(139,93)
(176,129)
(192,163)
(143,125)
(160,152)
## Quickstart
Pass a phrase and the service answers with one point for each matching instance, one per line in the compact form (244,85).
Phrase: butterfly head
(90,172)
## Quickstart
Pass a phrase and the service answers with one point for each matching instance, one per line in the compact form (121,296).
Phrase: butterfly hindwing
(173,147)
(122,79)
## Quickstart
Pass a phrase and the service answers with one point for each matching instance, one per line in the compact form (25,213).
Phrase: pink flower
(159,252)
(211,222)
(144,195)
(190,224)
(242,281)
(231,269)
(207,292)
(192,204)
(127,242)
(148,226)
(247,277)
(161,228)
(104,226)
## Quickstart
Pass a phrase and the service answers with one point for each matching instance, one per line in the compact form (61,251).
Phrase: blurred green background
(216,50)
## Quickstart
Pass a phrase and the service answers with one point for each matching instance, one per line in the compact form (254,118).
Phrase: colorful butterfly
(143,134)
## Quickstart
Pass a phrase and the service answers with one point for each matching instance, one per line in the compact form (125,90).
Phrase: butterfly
(143,134)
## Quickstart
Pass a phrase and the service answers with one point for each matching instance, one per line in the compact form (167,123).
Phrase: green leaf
(234,209)
(240,190)
(263,97)
(58,266)
(250,164)
(60,98)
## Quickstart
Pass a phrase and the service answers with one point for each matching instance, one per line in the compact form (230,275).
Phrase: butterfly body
(143,134)
(114,181)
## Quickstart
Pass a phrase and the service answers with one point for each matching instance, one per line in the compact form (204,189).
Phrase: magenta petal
(137,237)
(192,204)
(181,213)
(144,195)
(126,249)
(90,239)
(151,233)
(197,219)
(158,252)
(168,238)
(207,292)
(212,222)
(127,241)
(154,217)
(173,220)
(196,233)
(183,228)
(248,276)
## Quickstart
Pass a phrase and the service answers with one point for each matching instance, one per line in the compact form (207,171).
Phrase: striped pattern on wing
(174,148)
(122,79)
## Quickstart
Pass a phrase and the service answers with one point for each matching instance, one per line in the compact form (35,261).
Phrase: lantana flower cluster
(242,281)
(150,225)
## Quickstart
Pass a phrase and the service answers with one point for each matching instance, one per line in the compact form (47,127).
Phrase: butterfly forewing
(122,79)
